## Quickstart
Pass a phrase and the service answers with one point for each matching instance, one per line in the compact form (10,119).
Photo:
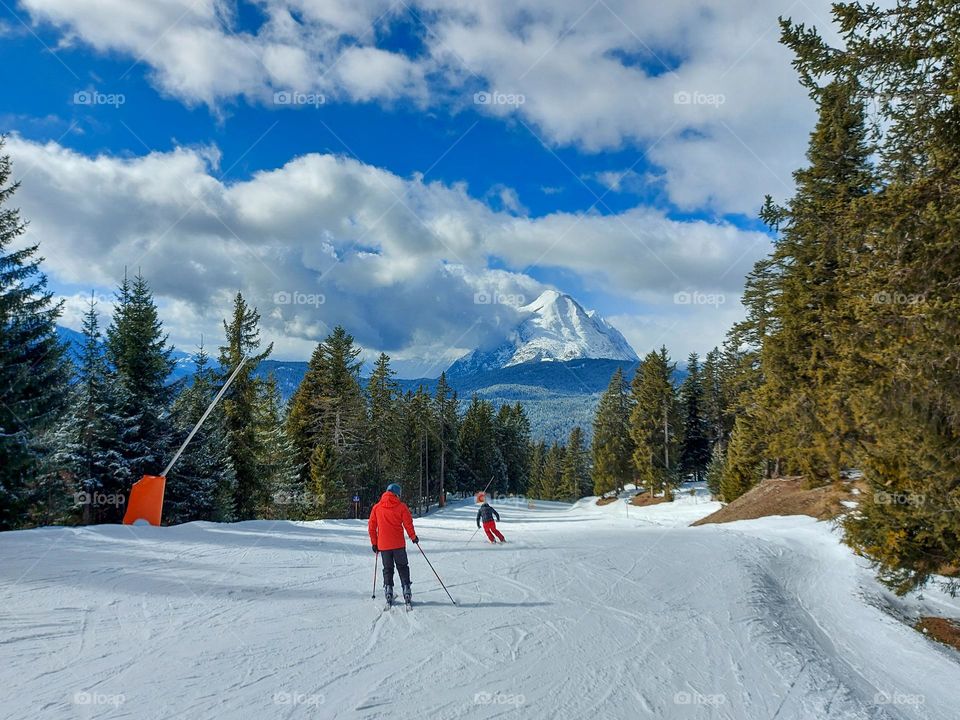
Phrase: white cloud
(396,260)
(703,87)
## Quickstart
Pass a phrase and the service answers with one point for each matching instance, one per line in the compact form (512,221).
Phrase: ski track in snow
(586,612)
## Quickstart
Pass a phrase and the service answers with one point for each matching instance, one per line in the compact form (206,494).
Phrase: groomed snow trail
(587,612)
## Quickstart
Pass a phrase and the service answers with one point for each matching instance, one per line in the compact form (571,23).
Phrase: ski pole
(435,573)
(376,559)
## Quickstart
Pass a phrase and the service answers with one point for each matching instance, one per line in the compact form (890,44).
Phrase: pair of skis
(407,603)
(373,596)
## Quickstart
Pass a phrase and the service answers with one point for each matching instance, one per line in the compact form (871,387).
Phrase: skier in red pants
(487,513)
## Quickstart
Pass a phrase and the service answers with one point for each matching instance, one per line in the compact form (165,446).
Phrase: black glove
(415,540)
(374,548)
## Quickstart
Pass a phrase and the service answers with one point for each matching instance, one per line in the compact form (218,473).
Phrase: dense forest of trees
(848,355)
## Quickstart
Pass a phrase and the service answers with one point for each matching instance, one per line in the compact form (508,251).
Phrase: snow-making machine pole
(146,495)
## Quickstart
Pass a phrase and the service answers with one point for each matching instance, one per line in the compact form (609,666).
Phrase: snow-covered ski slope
(587,612)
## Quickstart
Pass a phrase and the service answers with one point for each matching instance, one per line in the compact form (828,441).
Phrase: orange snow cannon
(146,495)
(146,500)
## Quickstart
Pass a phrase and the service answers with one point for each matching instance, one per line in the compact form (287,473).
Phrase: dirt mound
(941,630)
(785,496)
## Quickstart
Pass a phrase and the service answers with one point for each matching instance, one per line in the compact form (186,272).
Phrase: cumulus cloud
(326,239)
(703,88)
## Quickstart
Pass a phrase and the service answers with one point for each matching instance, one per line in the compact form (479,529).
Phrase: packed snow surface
(588,612)
(554,327)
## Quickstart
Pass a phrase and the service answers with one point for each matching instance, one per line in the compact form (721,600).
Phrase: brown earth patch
(940,629)
(786,496)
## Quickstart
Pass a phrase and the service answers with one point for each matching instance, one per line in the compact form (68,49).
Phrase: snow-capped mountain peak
(553,327)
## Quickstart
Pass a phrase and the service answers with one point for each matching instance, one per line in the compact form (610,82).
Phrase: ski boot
(408,597)
(388,594)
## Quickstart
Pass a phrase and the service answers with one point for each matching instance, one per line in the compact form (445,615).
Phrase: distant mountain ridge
(555,328)
(556,362)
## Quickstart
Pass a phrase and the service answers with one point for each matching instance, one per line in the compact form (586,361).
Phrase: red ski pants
(490,528)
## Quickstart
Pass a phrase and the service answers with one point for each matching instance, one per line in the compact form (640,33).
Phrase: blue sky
(614,151)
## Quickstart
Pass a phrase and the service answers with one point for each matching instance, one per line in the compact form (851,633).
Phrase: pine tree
(139,356)
(202,485)
(303,417)
(329,412)
(32,369)
(803,397)
(384,439)
(653,422)
(898,361)
(419,448)
(513,441)
(446,402)
(715,470)
(276,457)
(538,456)
(743,467)
(575,477)
(695,440)
(553,472)
(612,448)
(715,403)
(477,448)
(327,483)
(87,438)
(239,406)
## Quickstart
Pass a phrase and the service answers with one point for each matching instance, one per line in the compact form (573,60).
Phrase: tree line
(850,347)
(655,432)
(848,356)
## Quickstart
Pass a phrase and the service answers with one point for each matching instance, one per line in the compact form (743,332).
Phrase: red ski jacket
(388,519)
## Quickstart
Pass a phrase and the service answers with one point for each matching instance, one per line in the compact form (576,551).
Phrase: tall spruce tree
(575,477)
(276,457)
(32,369)
(553,464)
(139,355)
(88,438)
(653,423)
(446,402)
(480,462)
(242,341)
(384,435)
(538,456)
(695,432)
(612,447)
(714,401)
(803,399)
(513,441)
(328,424)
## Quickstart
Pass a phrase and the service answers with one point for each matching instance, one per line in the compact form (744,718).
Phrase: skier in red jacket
(388,519)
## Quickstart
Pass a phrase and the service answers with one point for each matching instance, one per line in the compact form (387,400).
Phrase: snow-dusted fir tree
(202,483)
(575,480)
(695,438)
(384,434)
(139,356)
(32,369)
(448,424)
(88,438)
(276,454)
(240,406)
(612,447)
